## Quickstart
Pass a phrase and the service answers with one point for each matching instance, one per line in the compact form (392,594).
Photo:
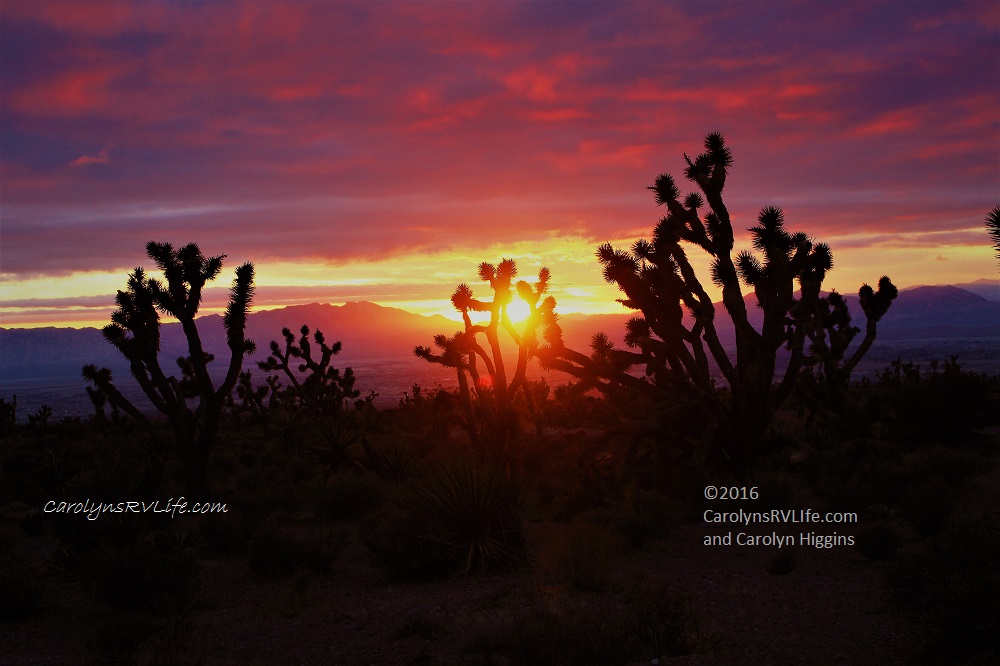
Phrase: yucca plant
(470,509)
(338,445)
(394,460)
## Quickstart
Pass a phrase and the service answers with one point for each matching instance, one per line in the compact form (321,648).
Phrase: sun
(518,311)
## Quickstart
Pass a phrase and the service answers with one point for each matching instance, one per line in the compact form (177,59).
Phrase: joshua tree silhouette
(993,226)
(659,281)
(324,387)
(135,332)
(493,393)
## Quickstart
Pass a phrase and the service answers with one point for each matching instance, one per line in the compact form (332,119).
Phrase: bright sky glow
(381,151)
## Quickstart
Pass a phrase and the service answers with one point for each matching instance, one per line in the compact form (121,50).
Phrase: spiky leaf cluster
(476,352)
(876,303)
(993,227)
(675,335)
(135,331)
(323,386)
(787,257)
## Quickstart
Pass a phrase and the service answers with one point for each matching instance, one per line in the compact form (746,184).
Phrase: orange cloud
(331,133)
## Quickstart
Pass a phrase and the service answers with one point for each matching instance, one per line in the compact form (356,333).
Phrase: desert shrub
(139,576)
(639,622)
(8,416)
(285,427)
(45,472)
(471,510)
(460,518)
(592,484)
(393,460)
(18,596)
(337,444)
(944,405)
(585,554)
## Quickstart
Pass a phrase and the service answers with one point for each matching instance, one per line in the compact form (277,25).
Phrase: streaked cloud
(343,138)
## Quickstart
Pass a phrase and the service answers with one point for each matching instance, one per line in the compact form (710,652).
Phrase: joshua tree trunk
(464,352)
(659,282)
(135,331)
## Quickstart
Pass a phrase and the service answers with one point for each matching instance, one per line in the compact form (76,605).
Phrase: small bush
(944,405)
(461,518)
(470,509)
(952,583)
(394,460)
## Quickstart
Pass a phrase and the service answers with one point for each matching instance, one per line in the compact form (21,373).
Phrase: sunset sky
(379,151)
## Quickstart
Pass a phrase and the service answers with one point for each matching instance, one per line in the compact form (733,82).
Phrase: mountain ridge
(371,331)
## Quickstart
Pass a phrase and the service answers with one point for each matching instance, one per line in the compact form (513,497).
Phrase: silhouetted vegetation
(135,332)
(676,336)
(323,390)
(405,530)
(993,227)
(487,395)
(8,415)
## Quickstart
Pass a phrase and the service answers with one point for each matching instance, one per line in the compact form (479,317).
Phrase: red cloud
(328,131)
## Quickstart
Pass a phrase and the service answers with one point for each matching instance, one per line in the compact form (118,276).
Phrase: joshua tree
(135,331)
(494,391)
(324,388)
(675,335)
(993,226)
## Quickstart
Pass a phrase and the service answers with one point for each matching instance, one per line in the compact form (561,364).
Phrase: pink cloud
(333,131)
(86,160)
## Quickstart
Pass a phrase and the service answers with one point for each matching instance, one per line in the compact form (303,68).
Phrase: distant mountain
(985,287)
(371,332)
(918,313)
(366,330)
(938,312)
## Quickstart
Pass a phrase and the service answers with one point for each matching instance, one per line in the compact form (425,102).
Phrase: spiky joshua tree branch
(192,404)
(674,335)
(485,389)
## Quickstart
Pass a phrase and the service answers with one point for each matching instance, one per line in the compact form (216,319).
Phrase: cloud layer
(344,134)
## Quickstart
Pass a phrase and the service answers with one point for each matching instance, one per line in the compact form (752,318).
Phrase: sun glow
(518,311)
